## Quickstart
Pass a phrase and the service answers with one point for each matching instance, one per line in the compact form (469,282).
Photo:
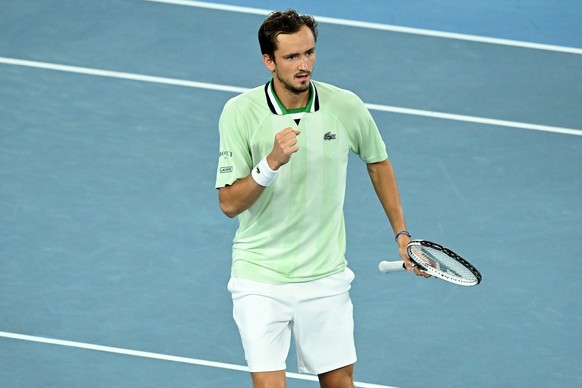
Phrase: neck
(290,99)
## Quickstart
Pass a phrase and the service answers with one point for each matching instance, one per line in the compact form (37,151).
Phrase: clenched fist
(284,146)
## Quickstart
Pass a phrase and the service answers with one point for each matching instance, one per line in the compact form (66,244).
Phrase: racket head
(441,262)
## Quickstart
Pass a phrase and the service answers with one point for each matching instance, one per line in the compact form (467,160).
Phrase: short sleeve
(235,160)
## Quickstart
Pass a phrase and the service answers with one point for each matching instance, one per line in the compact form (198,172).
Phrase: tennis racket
(437,261)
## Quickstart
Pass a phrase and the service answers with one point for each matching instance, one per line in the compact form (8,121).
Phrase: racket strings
(445,262)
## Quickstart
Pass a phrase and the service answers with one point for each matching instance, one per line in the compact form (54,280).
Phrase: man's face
(294,60)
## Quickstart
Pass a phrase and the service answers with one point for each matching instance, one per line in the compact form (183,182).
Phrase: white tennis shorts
(319,313)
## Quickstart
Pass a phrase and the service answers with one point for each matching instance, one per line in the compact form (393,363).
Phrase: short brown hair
(287,22)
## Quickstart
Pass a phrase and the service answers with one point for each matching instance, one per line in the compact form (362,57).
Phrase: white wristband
(263,174)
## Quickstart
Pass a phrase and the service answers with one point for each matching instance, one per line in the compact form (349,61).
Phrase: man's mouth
(303,76)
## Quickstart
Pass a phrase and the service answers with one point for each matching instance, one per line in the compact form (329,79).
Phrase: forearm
(384,181)
(239,196)
(242,194)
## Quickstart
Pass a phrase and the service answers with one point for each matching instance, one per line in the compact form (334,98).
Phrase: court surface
(114,255)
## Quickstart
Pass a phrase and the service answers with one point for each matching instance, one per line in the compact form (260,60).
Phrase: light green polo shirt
(295,231)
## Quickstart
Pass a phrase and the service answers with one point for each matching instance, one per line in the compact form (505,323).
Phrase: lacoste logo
(258,170)
(329,136)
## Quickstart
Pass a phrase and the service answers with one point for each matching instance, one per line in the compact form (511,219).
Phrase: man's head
(287,22)
(287,42)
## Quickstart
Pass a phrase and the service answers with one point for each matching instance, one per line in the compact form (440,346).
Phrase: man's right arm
(242,194)
(238,197)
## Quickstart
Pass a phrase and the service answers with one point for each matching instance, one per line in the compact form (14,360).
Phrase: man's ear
(269,62)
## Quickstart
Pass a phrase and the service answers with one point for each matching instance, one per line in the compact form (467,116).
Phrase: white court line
(122,75)
(379,26)
(158,356)
(236,89)
(474,119)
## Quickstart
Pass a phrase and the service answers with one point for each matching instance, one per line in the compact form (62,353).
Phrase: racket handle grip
(391,266)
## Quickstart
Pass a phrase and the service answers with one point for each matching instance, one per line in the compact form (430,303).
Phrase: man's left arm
(384,182)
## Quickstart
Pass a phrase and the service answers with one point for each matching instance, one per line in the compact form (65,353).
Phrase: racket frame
(437,273)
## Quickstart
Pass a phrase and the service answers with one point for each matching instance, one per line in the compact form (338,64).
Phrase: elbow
(228,211)
(227,207)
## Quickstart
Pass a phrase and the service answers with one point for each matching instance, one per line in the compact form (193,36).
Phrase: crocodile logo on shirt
(329,136)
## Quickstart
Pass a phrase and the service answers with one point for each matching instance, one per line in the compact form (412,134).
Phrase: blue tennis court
(114,254)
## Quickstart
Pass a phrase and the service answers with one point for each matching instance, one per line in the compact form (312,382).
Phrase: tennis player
(282,170)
